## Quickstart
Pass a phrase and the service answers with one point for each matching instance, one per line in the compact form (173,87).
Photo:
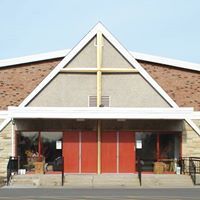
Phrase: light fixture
(121,120)
(80,120)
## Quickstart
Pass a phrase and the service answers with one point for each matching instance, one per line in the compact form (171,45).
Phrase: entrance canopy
(98,113)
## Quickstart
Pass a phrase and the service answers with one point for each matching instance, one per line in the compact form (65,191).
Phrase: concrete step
(36,180)
(103,180)
(166,180)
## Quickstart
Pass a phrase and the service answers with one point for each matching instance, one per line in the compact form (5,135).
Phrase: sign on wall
(58,145)
(138,144)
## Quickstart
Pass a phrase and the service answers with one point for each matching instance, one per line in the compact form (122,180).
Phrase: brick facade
(182,85)
(17,82)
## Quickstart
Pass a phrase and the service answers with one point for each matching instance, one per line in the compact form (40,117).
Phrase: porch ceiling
(98,113)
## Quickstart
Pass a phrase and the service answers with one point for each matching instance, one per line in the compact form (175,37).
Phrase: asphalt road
(97,194)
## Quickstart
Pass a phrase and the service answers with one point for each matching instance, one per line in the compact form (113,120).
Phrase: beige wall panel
(87,57)
(70,90)
(112,58)
(130,90)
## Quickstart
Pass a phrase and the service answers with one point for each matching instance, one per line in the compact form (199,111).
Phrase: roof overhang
(98,113)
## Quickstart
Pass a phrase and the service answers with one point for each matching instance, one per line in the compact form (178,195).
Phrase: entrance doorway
(80,151)
(117,152)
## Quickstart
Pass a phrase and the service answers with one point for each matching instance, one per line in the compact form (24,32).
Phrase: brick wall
(18,81)
(183,86)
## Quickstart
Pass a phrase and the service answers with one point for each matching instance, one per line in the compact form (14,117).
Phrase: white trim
(3,114)
(33,58)
(196,115)
(166,61)
(98,113)
(13,140)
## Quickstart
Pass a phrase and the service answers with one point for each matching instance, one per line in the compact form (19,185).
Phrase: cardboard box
(159,167)
(39,167)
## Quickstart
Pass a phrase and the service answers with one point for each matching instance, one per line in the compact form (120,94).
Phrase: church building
(100,107)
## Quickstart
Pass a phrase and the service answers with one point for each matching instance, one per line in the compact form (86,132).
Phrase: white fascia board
(99,113)
(196,115)
(33,58)
(166,61)
(3,114)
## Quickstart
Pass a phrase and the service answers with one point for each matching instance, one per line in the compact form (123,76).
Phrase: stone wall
(5,148)
(190,141)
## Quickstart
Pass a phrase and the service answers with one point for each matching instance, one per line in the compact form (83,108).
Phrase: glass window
(169,146)
(27,147)
(147,150)
(51,146)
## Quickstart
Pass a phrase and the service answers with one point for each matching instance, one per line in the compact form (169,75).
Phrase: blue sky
(169,28)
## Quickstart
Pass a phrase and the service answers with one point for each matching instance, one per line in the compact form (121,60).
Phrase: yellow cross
(99,70)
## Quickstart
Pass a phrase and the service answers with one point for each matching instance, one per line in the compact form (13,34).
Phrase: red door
(126,152)
(71,152)
(89,152)
(108,152)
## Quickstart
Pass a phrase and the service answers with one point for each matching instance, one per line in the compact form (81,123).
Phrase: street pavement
(99,194)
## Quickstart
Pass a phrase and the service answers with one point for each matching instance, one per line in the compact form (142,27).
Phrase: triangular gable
(123,52)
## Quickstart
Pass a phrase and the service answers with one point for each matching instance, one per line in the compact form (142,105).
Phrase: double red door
(80,152)
(117,152)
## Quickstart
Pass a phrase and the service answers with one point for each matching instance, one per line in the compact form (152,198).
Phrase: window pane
(50,152)
(27,148)
(147,152)
(167,146)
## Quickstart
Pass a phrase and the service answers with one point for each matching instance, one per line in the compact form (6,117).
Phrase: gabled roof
(127,55)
